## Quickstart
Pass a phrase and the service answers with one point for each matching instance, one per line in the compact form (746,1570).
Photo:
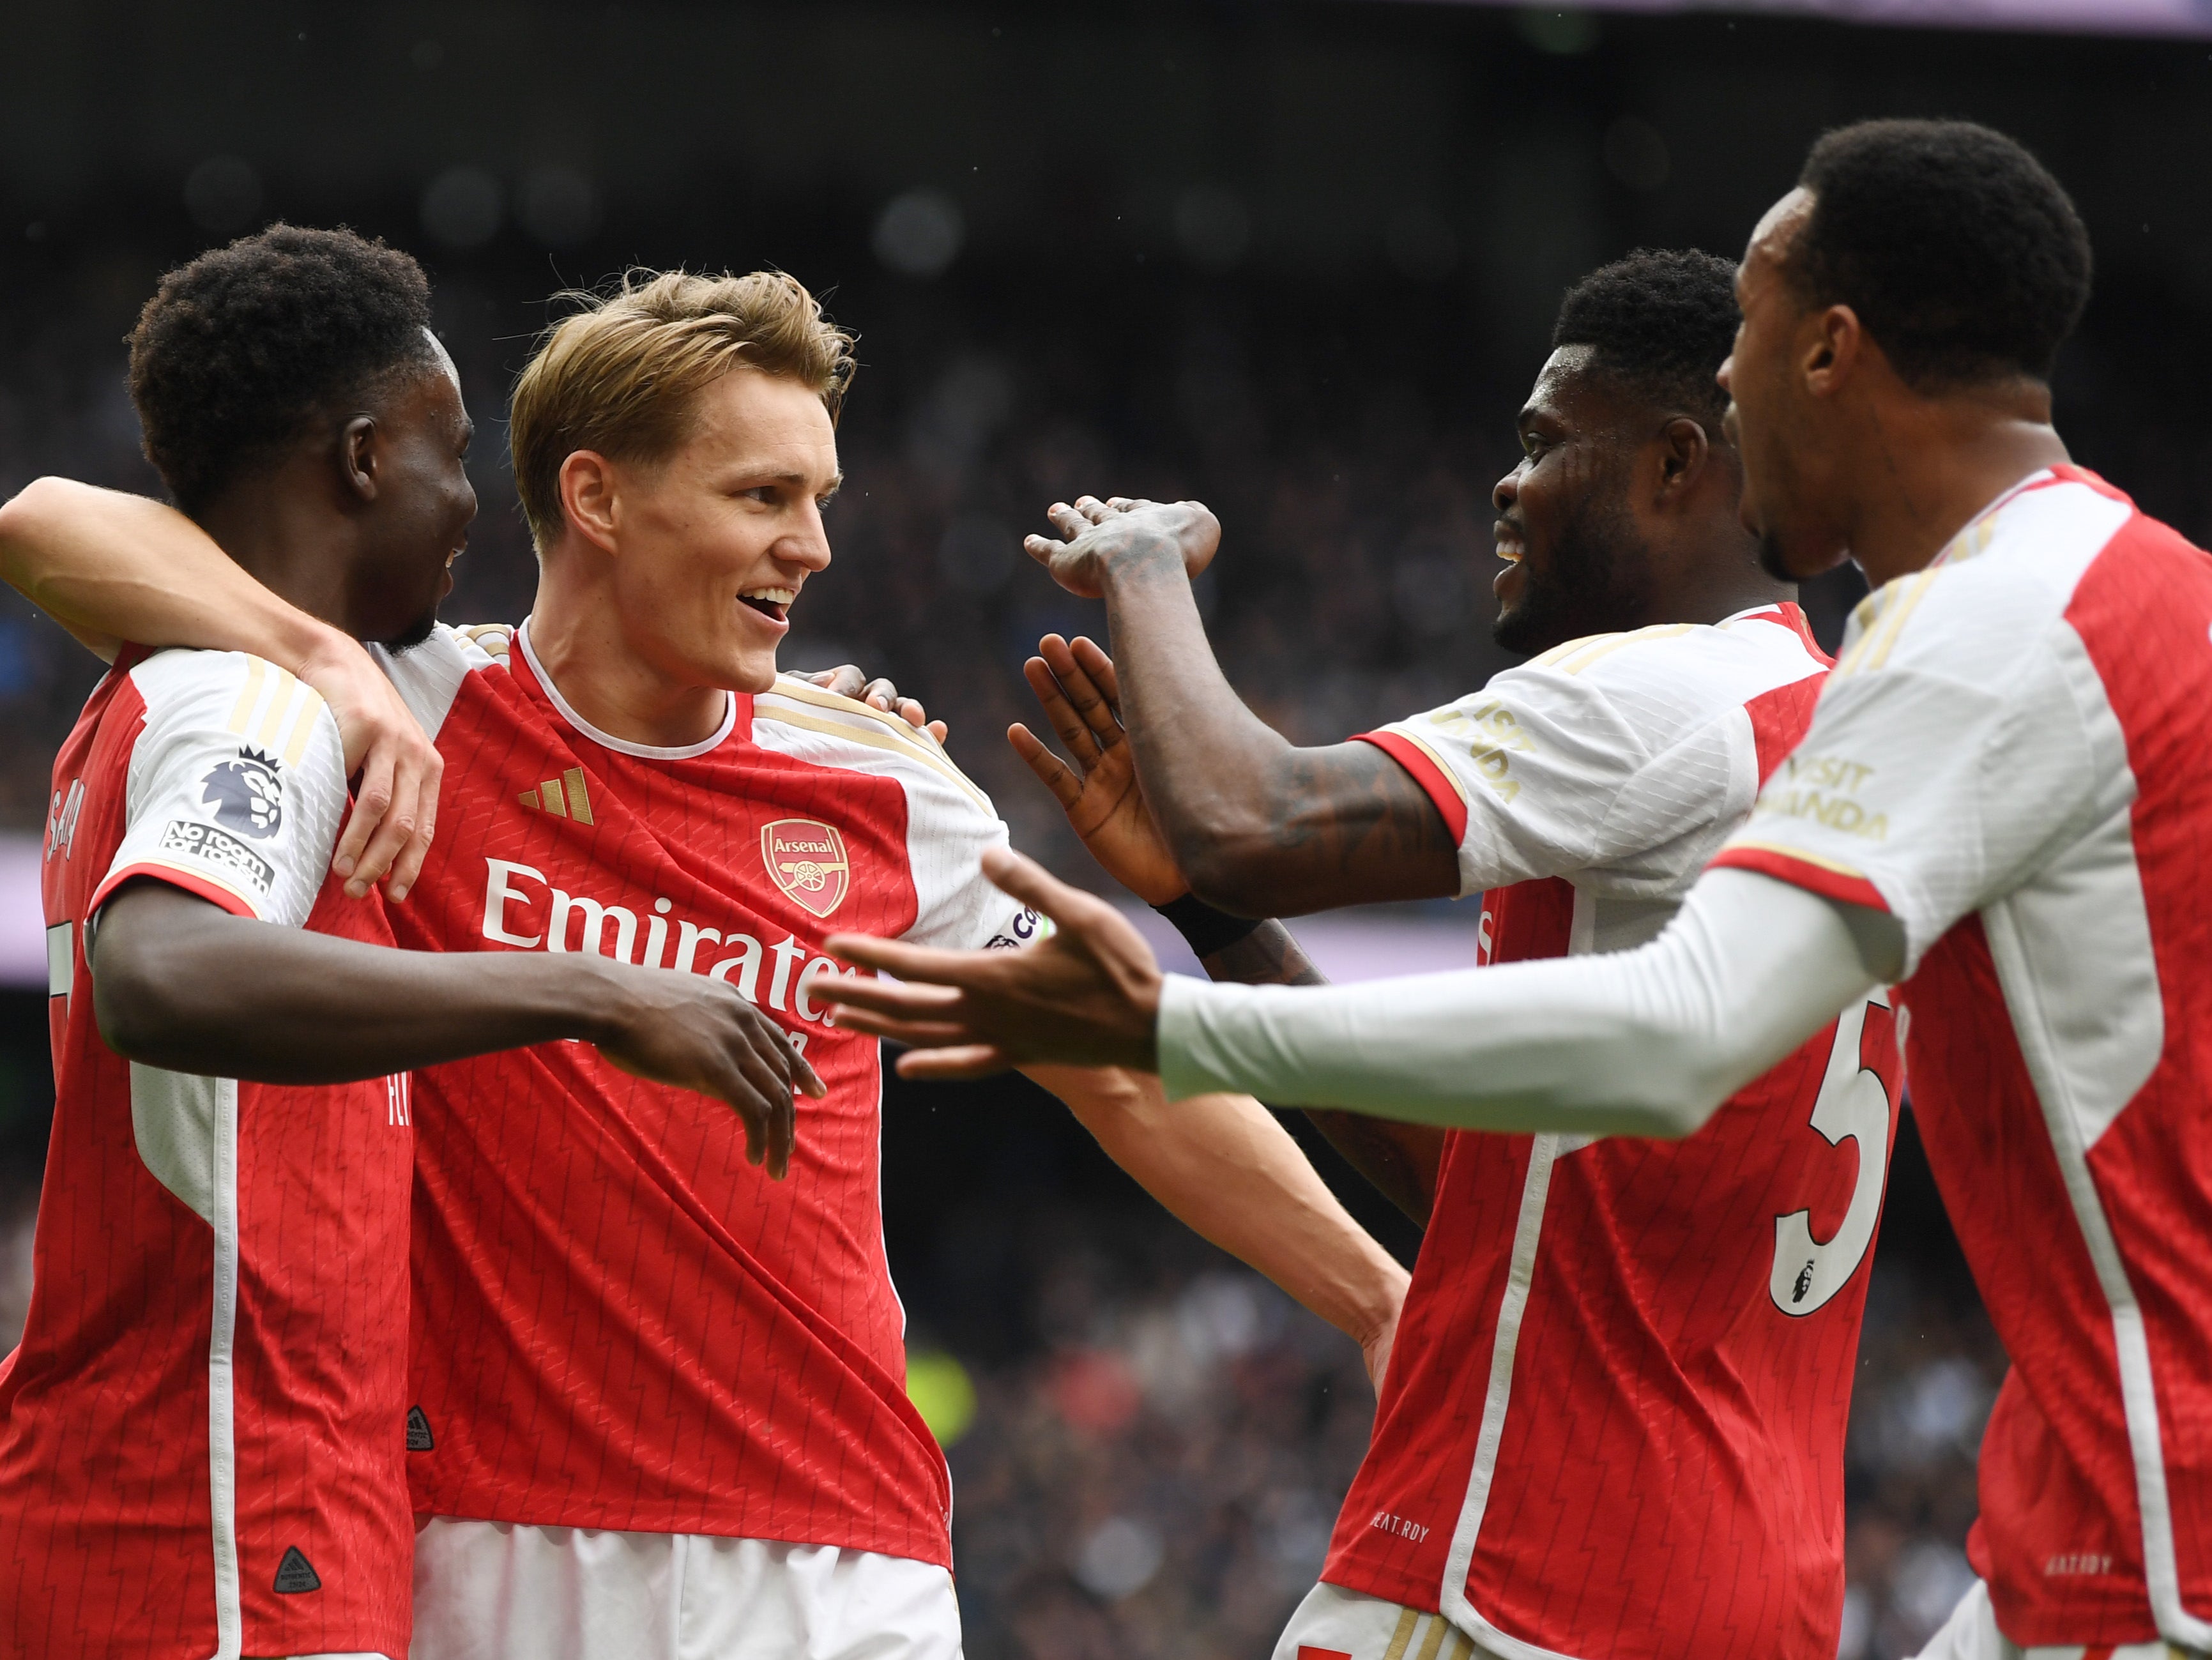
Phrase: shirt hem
(935,1549)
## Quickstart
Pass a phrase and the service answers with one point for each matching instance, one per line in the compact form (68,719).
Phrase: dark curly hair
(240,347)
(1963,258)
(1661,323)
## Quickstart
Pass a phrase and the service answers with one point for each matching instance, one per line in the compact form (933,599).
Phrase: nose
(1726,373)
(809,547)
(1507,490)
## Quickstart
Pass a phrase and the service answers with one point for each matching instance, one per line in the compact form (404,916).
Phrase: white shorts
(492,1590)
(1972,1633)
(1336,1621)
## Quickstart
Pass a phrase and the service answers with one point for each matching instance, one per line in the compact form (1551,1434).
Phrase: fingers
(919,1034)
(846,679)
(1068,522)
(1054,774)
(805,1078)
(1080,690)
(1092,508)
(970,1061)
(409,864)
(925,1001)
(937,730)
(370,803)
(1074,731)
(1024,879)
(1091,657)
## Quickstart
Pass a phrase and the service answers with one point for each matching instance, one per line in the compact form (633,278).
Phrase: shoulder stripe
(1898,600)
(287,705)
(871,736)
(1602,646)
(801,691)
(303,725)
(249,694)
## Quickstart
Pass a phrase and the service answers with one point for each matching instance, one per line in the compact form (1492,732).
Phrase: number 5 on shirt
(1853,1106)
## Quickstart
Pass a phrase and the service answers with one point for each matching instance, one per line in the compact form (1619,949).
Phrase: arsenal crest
(806,860)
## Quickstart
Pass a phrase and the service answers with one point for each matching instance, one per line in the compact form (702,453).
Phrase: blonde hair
(620,375)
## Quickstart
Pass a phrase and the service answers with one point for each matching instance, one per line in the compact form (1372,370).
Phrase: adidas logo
(419,1439)
(295,1573)
(564,797)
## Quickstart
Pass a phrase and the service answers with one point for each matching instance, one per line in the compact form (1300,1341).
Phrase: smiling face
(713,543)
(419,521)
(1786,437)
(1577,561)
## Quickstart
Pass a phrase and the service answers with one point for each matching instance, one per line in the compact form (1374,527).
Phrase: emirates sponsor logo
(807,859)
(524,910)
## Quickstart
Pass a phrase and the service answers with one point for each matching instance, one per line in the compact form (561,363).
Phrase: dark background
(1298,259)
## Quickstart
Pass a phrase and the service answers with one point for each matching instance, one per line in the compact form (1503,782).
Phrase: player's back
(620,1323)
(2010,759)
(1613,1419)
(199,1435)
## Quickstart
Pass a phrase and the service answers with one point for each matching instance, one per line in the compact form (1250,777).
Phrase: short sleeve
(958,907)
(1942,767)
(1548,772)
(236,786)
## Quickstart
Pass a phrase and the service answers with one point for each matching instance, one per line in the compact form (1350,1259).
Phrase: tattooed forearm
(1269,956)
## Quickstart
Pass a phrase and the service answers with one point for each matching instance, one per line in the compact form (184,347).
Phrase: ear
(1684,448)
(358,459)
(588,484)
(1833,344)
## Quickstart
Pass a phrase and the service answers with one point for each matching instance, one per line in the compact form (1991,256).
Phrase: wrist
(1204,929)
(593,999)
(1143,559)
(312,649)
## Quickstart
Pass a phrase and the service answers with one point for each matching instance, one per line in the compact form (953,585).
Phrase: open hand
(848,680)
(697,1033)
(395,810)
(1094,535)
(1087,996)
(1100,794)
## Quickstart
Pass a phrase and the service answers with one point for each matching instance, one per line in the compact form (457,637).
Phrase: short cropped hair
(620,376)
(1962,256)
(238,348)
(1659,324)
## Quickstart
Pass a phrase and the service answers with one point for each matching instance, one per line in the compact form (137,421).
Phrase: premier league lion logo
(246,794)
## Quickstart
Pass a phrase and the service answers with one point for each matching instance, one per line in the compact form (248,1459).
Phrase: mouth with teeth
(774,604)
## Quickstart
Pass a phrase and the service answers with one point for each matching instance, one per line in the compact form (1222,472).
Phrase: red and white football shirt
(2011,759)
(619,1321)
(1613,1420)
(200,1436)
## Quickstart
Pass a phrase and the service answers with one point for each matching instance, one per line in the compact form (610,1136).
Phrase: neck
(576,632)
(283,537)
(1935,464)
(1708,588)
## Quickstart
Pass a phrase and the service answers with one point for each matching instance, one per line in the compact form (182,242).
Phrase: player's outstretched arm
(180,983)
(1224,1167)
(110,567)
(1258,826)
(1099,790)
(1646,1043)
